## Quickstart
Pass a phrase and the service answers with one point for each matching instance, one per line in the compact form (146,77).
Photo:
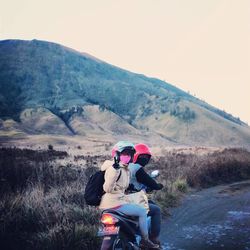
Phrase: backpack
(94,188)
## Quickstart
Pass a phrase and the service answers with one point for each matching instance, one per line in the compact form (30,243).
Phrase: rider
(139,179)
(116,182)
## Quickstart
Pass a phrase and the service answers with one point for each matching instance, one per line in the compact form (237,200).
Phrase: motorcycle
(121,231)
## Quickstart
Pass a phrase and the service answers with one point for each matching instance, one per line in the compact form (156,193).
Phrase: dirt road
(214,218)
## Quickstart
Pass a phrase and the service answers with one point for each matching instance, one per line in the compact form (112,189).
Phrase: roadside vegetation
(198,168)
(42,204)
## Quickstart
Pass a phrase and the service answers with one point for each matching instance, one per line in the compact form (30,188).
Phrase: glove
(160,186)
(130,188)
(149,190)
(116,162)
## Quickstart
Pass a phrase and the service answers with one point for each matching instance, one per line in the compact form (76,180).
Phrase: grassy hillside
(206,128)
(47,74)
(49,89)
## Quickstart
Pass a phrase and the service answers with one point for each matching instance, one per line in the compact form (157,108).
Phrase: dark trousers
(155,213)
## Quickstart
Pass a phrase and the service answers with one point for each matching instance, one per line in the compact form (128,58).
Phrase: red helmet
(141,149)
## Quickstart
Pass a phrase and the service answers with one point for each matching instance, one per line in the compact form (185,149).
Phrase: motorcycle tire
(122,244)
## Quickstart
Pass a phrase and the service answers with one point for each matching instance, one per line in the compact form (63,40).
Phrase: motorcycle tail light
(108,219)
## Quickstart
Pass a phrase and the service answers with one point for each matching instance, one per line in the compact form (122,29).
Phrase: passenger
(117,178)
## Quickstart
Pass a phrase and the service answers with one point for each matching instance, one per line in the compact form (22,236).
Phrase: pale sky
(201,46)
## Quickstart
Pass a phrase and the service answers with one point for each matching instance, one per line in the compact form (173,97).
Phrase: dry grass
(42,204)
(198,168)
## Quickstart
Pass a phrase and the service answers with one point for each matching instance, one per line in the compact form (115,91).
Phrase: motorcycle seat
(113,211)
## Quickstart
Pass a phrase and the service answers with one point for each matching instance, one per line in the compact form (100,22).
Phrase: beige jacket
(114,189)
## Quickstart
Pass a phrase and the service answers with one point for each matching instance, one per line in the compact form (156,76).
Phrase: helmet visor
(143,159)
(128,151)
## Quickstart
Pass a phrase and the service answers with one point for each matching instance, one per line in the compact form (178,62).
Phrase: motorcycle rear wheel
(122,244)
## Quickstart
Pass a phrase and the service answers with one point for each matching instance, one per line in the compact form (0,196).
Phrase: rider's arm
(146,180)
(111,176)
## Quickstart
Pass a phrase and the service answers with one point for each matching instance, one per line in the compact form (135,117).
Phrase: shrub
(181,185)
(186,114)
(165,200)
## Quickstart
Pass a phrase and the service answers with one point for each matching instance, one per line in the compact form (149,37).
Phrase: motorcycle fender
(108,242)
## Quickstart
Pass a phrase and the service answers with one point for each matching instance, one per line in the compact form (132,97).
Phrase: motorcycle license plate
(108,230)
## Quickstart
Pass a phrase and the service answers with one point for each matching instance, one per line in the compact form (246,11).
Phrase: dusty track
(214,218)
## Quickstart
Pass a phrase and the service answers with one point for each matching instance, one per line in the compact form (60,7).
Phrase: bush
(186,114)
(181,185)
(166,199)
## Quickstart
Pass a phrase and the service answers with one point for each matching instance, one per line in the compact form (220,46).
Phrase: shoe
(146,243)
(156,241)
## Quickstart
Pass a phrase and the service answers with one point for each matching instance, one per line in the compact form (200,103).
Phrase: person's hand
(160,186)
(116,162)
(149,190)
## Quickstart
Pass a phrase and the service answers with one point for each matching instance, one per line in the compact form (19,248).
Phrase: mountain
(47,88)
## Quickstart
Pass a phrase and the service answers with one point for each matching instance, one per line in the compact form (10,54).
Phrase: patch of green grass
(181,185)
(166,199)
